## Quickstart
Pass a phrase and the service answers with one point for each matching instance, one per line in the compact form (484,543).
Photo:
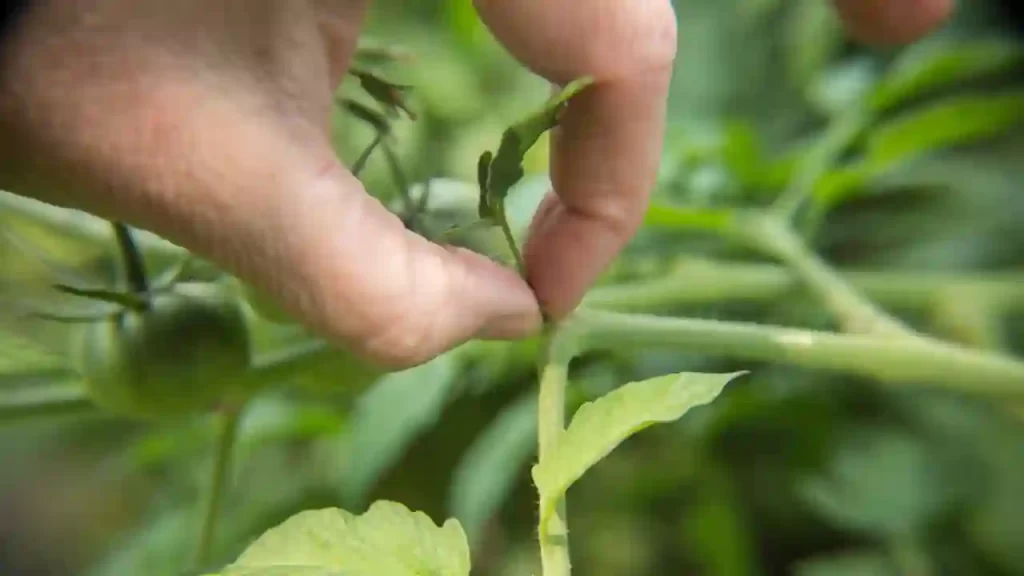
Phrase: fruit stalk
(229,422)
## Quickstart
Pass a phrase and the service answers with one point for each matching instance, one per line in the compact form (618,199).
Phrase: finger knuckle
(632,36)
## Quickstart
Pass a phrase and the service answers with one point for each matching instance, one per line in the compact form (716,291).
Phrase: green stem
(553,530)
(510,238)
(919,361)
(701,281)
(134,265)
(855,313)
(837,138)
(401,181)
(360,163)
(219,478)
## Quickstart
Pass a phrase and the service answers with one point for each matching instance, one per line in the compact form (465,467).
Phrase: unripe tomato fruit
(187,354)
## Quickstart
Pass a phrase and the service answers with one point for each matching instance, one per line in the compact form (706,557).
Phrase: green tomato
(188,354)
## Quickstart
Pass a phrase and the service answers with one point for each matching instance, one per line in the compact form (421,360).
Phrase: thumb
(354,272)
(222,173)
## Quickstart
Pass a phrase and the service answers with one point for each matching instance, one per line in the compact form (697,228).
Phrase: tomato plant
(822,315)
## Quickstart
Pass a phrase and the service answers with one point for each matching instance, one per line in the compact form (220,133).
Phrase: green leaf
(483,177)
(387,93)
(866,563)
(951,122)
(930,66)
(389,540)
(125,299)
(506,168)
(487,473)
(390,416)
(530,129)
(600,426)
(886,483)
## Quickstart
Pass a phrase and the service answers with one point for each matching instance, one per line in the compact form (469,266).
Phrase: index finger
(607,149)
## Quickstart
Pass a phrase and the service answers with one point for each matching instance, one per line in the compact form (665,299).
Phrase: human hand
(207,123)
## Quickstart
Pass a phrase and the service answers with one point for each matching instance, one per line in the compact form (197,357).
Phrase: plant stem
(919,361)
(704,281)
(855,313)
(510,238)
(401,181)
(818,161)
(219,478)
(360,163)
(134,265)
(553,534)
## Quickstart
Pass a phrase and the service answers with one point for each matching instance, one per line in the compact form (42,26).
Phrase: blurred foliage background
(790,472)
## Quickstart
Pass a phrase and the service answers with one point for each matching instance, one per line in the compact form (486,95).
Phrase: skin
(206,123)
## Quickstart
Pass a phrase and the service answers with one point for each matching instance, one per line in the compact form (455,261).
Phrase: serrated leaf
(600,426)
(388,540)
(486,474)
(483,177)
(927,67)
(387,93)
(951,122)
(505,170)
(390,416)
(530,129)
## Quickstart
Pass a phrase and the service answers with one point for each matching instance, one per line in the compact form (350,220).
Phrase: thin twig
(856,314)
(818,161)
(510,238)
(401,181)
(219,479)
(364,158)
(702,281)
